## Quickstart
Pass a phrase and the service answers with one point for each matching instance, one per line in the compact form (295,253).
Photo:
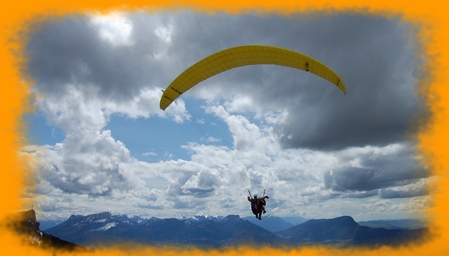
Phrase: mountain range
(270,223)
(207,231)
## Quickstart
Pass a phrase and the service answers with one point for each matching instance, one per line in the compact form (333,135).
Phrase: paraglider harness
(257,204)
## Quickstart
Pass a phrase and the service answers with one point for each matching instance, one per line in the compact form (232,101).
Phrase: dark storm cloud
(377,65)
(353,179)
(362,194)
(389,176)
(410,191)
(70,50)
(364,179)
(375,55)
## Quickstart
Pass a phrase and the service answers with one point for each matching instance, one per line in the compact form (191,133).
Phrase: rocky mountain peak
(26,225)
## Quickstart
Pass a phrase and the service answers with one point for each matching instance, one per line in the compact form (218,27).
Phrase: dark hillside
(26,225)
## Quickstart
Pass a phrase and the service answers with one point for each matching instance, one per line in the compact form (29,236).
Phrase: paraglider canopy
(243,56)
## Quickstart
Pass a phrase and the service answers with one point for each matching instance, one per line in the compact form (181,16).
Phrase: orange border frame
(433,136)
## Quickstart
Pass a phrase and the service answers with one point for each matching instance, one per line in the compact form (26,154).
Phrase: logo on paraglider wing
(306,66)
(174,89)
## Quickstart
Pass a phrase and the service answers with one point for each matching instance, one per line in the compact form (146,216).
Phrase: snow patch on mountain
(107,226)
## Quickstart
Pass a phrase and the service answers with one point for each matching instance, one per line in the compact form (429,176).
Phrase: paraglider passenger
(258,205)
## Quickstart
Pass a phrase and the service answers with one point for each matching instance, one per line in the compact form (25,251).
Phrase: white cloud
(114,28)
(213,140)
(75,111)
(240,103)
(149,154)
(94,164)
(144,104)
(177,111)
(164,32)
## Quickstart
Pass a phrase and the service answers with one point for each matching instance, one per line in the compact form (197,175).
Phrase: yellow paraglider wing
(242,56)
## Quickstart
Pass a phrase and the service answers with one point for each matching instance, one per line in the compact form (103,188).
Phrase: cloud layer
(292,133)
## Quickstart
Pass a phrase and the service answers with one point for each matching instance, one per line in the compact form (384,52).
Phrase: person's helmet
(255,196)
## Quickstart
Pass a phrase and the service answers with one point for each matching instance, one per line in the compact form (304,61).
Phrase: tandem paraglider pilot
(258,205)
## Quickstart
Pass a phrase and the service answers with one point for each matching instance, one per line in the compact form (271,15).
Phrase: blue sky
(39,132)
(148,139)
(101,143)
(159,139)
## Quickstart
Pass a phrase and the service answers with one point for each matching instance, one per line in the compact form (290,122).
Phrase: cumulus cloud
(91,164)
